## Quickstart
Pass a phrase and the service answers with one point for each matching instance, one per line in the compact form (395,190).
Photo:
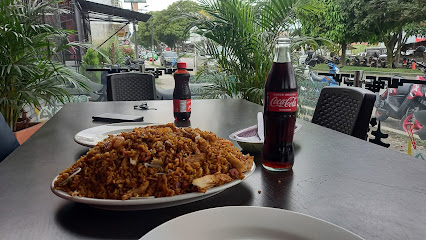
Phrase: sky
(153,5)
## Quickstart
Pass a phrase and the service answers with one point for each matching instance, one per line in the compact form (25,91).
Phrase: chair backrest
(8,141)
(131,86)
(345,109)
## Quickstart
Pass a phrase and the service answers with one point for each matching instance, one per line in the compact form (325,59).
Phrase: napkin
(260,128)
(253,134)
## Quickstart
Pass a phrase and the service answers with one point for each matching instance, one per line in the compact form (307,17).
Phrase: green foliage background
(169,26)
(91,59)
(29,73)
(347,21)
(241,39)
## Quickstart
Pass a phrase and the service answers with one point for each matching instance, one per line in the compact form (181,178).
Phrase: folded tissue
(251,139)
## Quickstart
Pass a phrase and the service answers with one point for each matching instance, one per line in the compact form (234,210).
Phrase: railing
(155,71)
(372,83)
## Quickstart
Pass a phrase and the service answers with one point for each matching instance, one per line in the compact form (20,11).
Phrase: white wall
(101,31)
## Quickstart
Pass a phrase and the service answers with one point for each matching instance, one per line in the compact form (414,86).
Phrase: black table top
(367,189)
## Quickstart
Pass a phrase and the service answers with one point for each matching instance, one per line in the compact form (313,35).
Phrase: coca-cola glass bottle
(280,107)
(181,93)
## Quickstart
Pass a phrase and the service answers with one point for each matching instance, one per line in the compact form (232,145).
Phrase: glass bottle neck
(282,51)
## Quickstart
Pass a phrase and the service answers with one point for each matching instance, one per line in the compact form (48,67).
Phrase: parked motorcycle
(355,61)
(406,63)
(373,61)
(417,117)
(363,62)
(333,60)
(320,59)
(313,59)
(133,63)
(382,62)
(401,103)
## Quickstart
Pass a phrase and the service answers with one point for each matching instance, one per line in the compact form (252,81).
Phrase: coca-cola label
(180,105)
(282,101)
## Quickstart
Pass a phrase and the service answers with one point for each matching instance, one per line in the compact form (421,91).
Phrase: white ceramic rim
(257,220)
(89,137)
(151,203)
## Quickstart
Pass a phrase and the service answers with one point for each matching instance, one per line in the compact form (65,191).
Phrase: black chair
(8,141)
(345,109)
(131,86)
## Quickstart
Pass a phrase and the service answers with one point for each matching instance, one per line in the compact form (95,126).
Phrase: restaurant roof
(102,12)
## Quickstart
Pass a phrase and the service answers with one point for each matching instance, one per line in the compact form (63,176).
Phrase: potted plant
(29,74)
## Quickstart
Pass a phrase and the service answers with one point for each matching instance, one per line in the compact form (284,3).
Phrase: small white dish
(91,136)
(148,203)
(242,222)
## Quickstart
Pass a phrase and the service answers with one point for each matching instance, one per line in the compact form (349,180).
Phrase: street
(166,81)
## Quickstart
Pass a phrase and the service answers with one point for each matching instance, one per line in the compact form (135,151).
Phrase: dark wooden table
(367,189)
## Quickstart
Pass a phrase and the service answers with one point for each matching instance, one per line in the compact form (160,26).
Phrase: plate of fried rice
(153,167)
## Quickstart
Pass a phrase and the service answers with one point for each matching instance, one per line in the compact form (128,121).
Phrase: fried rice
(157,161)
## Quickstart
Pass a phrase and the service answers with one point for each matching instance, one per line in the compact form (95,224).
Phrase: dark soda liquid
(182,92)
(278,150)
(182,116)
(277,166)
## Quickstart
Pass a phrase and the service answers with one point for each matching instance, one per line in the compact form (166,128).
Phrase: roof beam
(113,11)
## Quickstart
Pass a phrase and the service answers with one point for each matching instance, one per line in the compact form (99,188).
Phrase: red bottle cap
(181,65)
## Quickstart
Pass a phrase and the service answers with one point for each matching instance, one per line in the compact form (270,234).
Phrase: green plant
(91,59)
(241,38)
(28,72)
(167,26)
(111,52)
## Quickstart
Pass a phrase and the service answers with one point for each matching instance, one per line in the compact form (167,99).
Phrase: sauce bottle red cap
(181,65)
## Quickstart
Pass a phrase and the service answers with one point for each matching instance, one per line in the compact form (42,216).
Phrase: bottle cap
(181,65)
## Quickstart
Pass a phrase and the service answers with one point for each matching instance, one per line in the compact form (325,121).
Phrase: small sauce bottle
(181,93)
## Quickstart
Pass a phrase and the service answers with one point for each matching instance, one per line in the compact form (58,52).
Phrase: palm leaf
(245,31)
(28,72)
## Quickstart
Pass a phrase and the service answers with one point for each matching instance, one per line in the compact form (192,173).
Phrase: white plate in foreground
(242,222)
(91,136)
(149,203)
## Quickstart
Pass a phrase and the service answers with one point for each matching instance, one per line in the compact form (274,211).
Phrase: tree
(386,20)
(144,33)
(169,25)
(333,20)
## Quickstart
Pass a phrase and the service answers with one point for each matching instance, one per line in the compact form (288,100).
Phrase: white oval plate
(242,222)
(91,136)
(149,203)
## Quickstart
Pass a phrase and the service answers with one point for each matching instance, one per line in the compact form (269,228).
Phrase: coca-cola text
(282,102)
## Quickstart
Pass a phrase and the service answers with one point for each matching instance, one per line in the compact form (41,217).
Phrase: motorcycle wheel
(381,115)
(406,123)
